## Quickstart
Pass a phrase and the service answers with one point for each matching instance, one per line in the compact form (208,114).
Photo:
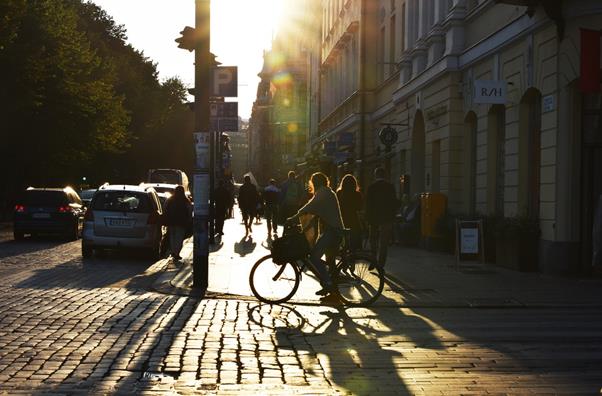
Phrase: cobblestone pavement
(92,327)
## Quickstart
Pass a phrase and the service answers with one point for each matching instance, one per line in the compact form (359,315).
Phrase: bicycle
(275,278)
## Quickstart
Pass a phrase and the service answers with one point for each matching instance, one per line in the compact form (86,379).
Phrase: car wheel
(18,235)
(87,251)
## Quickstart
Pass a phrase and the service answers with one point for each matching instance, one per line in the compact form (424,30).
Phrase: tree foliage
(77,100)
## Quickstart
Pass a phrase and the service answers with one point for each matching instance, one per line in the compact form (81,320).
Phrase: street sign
(229,124)
(224,109)
(201,143)
(225,81)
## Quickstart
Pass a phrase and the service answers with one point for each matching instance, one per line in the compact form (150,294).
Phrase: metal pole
(388,160)
(212,188)
(202,77)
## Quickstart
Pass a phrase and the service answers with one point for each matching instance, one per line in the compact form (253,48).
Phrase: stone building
(486,101)
(484,96)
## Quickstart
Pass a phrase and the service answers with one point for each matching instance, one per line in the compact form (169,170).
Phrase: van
(168,176)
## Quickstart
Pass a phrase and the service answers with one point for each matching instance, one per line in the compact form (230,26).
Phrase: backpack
(293,192)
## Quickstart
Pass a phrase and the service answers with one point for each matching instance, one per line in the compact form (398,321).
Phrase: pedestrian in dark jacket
(223,201)
(271,196)
(177,218)
(381,205)
(292,196)
(351,203)
(247,202)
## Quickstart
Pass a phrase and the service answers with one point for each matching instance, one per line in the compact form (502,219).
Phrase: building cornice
(509,34)
(348,122)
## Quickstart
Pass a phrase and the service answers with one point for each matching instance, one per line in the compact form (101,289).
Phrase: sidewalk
(415,278)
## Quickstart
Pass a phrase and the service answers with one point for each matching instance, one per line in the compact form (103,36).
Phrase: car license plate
(41,215)
(120,222)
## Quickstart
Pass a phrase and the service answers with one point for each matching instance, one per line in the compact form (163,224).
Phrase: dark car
(49,211)
(86,196)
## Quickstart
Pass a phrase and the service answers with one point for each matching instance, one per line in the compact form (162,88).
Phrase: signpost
(210,82)
(470,242)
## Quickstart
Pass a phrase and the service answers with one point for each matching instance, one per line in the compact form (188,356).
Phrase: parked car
(168,176)
(86,195)
(48,211)
(123,216)
(165,190)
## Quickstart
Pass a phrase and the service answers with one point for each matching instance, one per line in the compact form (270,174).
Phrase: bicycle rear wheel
(274,283)
(357,284)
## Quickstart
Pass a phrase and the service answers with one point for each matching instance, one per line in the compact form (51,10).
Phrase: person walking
(178,216)
(351,203)
(271,195)
(247,202)
(292,195)
(381,205)
(223,201)
(324,205)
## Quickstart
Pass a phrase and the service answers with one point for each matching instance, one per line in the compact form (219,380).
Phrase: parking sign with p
(225,81)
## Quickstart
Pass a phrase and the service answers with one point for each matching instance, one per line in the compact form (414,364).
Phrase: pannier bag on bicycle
(289,248)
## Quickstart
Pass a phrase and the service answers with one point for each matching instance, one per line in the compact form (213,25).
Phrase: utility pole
(198,39)
(202,82)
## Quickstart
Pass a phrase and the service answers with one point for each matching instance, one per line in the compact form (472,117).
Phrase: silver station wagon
(123,216)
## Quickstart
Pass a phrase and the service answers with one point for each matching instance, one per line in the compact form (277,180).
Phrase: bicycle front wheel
(274,283)
(358,280)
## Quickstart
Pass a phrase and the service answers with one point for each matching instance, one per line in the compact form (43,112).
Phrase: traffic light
(188,40)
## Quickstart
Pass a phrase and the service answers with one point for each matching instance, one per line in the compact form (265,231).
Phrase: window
(121,201)
(403,27)
(381,54)
(44,198)
(392,57)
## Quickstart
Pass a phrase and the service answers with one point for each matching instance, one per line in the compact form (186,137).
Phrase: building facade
(484,97)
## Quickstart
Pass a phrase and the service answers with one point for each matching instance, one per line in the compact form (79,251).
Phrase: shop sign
(344,140)
(490,91)
(341,156)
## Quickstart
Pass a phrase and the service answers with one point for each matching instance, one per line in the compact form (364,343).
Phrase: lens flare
(293,127)
(282,78)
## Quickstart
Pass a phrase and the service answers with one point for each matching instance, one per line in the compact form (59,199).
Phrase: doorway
(591,173)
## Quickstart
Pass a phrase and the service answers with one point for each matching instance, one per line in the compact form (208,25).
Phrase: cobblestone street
(94,326)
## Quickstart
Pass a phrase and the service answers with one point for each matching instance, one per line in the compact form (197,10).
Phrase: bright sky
(240,31)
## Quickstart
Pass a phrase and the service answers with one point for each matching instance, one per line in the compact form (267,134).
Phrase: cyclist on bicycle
(324,205)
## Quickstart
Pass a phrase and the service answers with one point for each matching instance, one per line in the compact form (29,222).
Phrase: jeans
(327,242)
(176,239)
(271,216)
(380,237)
